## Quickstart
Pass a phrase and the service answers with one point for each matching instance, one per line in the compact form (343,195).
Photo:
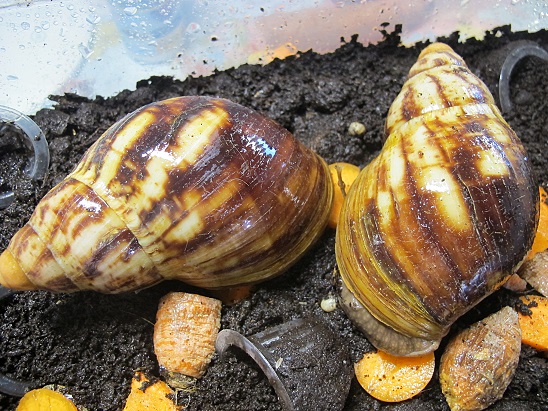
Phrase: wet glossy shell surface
(197,189)
(446,211)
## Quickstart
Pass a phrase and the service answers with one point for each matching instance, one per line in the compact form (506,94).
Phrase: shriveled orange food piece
(535,272)
(540,242)
(153,396)
(44,399)
(184,334)
(390,378)
(342,175)
(534,327)
(480,361)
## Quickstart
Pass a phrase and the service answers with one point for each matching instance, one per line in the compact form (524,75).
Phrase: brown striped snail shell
(441,217)
(196,189)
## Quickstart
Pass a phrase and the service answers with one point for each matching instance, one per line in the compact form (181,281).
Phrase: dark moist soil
(92,343)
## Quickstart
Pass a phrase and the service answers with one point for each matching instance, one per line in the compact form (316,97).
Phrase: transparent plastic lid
(100,47)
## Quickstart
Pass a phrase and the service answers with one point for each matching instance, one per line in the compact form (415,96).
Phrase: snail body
(196,189)
(441,217)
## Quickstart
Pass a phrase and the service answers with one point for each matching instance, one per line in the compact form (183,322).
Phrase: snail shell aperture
(441,217)
(197,189)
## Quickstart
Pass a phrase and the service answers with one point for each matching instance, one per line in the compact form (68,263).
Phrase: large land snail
(197,189)
(441,217)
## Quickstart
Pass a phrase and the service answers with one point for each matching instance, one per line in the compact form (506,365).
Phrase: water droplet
(93,19)
(11,77)
(25,25)
(193,28)
(21,47)
(45,25)
(37,29)
(130,11)
(84,50)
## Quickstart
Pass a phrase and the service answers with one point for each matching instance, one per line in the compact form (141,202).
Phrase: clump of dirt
(92,343)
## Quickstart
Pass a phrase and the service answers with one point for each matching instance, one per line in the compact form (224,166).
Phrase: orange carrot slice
(390,378)
(541,238)
(146,395)
(534,327)
(342,175)
(44,399)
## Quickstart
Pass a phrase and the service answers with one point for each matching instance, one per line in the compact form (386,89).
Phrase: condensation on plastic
(100,47)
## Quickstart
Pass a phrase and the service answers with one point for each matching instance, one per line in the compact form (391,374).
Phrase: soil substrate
(92,343)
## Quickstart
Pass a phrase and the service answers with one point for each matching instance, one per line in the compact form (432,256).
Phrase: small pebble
(328,304)
(356,128)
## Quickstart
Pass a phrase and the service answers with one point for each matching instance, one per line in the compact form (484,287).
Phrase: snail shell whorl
(197,189)
(445,212)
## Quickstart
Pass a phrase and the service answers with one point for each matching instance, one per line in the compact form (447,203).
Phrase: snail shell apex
(192,188)
(442,216)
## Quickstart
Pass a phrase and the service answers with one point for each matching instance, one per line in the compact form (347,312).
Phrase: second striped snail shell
(441,217)
(197,189)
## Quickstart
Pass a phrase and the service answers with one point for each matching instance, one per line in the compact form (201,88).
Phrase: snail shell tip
(435,48)
(12,275)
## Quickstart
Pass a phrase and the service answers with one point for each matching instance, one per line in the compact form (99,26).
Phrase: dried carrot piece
(390,378)
(147,395)
(479,362)
(534,327)
(44,399)
(342,175)
(184,335)
(541,237)
(535,272)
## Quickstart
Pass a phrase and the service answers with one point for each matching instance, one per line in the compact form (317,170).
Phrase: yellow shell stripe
(435,89)
(131,201)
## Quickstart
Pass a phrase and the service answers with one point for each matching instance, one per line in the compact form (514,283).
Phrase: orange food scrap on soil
(153,396)
(342,175)
(390,378)
(541,238)
(44,399)
(185,332)
(534,327)
(233,295)
(479,362)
